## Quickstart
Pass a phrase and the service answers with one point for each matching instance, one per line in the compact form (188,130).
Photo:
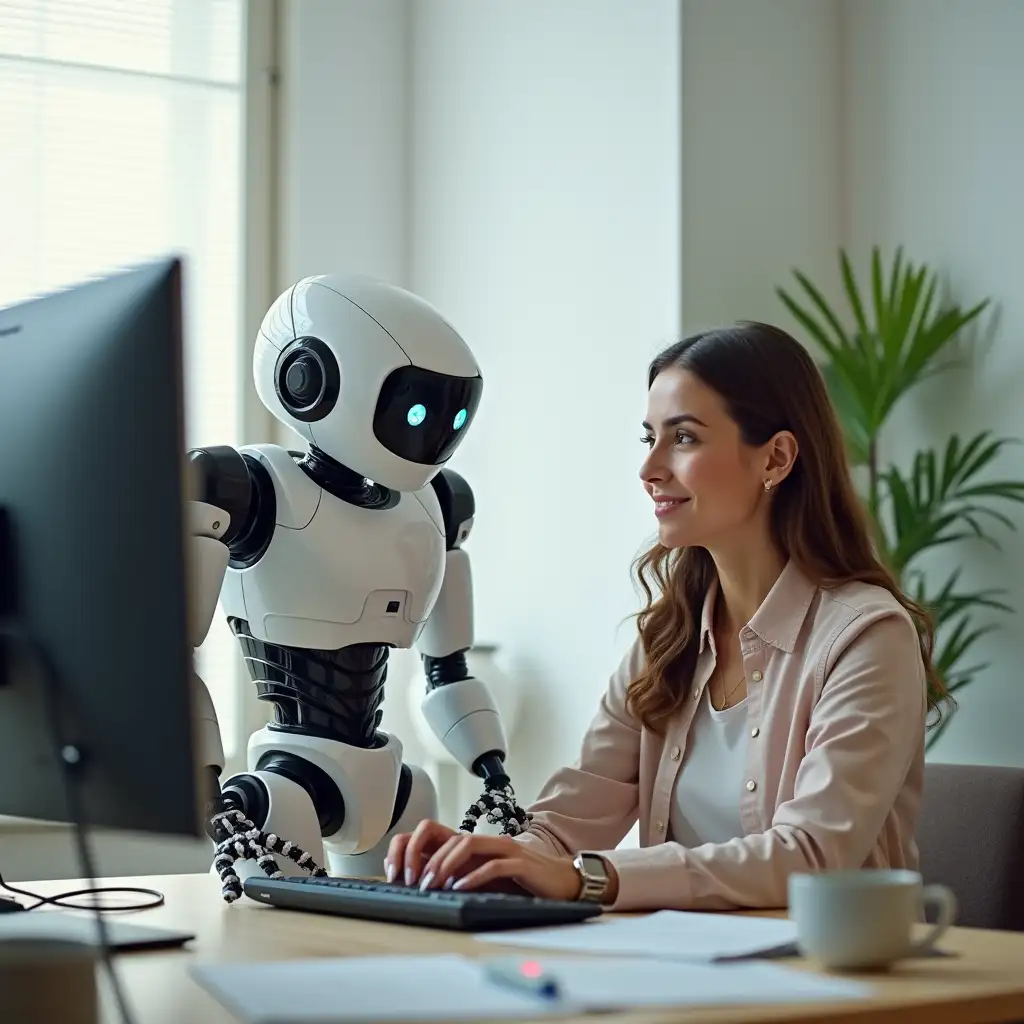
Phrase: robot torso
(337,574)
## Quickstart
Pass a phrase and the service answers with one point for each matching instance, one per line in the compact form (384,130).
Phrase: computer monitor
(92,557)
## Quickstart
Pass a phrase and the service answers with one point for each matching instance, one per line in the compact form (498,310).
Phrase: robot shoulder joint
(458,506)
(238,484)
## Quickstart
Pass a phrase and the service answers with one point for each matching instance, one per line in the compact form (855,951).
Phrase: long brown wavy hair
(768,383)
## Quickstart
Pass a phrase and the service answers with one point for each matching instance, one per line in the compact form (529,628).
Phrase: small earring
(767,485)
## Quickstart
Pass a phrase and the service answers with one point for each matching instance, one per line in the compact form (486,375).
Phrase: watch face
(593,865)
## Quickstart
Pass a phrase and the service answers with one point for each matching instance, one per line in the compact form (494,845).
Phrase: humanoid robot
(323,561)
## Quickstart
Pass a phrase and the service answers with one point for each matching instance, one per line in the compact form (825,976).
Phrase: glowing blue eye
(416,415)
(460,419)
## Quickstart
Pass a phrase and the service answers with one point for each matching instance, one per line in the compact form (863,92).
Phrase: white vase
(482,662)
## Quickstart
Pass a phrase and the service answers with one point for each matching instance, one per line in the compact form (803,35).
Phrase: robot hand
(463,716)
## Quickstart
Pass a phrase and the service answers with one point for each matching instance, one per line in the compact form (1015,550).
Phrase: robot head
(370,374)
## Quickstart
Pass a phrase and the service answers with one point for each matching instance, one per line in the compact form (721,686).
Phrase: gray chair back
(971,837)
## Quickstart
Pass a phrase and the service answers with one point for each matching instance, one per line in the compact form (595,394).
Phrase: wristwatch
(593,874)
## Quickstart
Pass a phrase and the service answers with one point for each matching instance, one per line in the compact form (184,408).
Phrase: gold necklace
(736,686)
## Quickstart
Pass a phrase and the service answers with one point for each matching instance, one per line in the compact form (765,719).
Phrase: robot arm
(221,518)
(208,559)
(458,707)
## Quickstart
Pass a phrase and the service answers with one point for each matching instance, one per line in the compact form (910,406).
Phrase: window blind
(121,139)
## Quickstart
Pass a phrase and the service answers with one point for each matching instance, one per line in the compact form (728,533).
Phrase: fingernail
(458,884)
(450,882)
(389,870)
(408,876)
(427,879)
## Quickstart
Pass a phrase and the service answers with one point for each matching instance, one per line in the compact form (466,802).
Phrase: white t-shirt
(706,803)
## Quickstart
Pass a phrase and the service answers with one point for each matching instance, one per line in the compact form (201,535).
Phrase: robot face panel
(370,374)
(422,415)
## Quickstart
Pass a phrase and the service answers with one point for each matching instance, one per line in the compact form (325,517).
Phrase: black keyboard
(400,904)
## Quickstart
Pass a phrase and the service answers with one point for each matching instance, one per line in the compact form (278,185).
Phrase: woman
(770,716)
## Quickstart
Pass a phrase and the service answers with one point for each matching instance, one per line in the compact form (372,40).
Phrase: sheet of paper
(388,988)
(602,983)
(435,988)
(675,934)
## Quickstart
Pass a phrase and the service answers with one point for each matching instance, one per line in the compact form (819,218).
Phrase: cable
(61,899)
(69,757)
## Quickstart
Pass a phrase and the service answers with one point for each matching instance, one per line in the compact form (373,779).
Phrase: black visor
(422,415)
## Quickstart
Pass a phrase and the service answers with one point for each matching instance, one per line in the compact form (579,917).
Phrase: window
(123,138)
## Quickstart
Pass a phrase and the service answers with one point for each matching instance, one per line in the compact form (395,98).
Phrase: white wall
(343,138)
(936,162)
(762,174)
(545,224)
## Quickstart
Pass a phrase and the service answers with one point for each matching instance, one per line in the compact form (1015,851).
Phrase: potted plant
(878,349)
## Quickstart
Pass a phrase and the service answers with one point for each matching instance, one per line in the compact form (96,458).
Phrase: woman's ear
(782,454)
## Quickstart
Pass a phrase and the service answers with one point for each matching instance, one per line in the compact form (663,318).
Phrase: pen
(526,976)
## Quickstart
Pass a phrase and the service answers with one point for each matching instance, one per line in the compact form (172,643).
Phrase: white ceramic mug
(856,920)
(52,980)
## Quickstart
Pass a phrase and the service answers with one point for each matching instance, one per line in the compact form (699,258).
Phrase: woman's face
(706,483)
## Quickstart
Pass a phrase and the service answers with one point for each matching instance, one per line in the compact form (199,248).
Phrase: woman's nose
(652,469)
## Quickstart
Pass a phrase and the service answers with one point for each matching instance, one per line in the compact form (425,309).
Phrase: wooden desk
(984,983)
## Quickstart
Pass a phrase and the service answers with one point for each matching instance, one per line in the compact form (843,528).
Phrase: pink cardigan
(836,705)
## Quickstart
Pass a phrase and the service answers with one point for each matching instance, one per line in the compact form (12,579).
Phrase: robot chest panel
(352,575)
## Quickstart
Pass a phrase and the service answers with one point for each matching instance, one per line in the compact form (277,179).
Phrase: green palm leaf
(948,602)
(956,645)
(878,362)
(858,441)
(941,501)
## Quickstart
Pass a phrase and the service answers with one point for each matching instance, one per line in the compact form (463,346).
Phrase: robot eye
(416,415)
(460,419)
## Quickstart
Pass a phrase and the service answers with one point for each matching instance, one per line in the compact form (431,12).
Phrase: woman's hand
(439,857)
(408,851)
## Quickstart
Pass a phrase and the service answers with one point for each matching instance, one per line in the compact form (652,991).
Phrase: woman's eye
(683,437)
